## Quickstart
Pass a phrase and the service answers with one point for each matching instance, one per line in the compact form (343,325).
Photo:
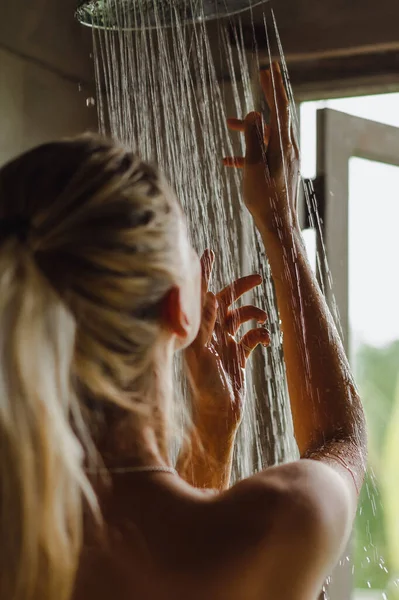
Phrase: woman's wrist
(206,460)
(279,230)
(216,436)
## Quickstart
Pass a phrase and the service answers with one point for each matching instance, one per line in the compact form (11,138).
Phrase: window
(359,159)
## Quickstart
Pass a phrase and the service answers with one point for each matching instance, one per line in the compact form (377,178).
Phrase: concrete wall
(46,74)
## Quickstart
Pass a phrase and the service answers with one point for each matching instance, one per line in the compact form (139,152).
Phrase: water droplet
(90,102)
(384,596)
(368,584)
(80,87)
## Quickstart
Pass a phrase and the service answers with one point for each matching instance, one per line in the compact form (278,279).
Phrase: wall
(46,74)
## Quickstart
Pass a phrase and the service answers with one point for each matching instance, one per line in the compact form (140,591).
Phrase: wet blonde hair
(80,296)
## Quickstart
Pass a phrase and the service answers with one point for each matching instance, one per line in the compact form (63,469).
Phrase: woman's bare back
(185,547)
(245,544)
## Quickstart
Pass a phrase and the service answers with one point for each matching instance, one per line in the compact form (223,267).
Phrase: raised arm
(307,507)
(327,412)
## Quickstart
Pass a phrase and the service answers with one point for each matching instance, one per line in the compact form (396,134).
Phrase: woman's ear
(173,315)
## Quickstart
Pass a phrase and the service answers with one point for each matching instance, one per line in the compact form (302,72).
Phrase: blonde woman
(98,288)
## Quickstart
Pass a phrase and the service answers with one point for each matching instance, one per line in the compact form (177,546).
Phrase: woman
(99,287)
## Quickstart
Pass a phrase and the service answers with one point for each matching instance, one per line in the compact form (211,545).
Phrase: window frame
(339,138)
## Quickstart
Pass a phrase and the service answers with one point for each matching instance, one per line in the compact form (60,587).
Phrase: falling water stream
(166,92)
(159,91)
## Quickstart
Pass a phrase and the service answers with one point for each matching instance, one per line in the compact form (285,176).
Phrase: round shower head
(139,14)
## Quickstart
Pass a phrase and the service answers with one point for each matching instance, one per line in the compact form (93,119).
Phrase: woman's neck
(140,440)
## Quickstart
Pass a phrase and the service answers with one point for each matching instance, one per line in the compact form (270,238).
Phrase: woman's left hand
(216,360)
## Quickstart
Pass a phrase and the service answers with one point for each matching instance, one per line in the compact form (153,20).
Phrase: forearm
(205,460)
(324,401)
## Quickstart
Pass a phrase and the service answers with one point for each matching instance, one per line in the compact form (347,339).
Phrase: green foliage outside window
(376,551)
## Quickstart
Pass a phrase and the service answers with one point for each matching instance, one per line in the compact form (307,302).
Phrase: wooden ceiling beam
(330,28)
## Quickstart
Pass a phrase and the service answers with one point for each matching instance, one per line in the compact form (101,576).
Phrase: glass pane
(374,325)
(379,107)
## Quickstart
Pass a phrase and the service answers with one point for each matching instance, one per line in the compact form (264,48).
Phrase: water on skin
(158,92)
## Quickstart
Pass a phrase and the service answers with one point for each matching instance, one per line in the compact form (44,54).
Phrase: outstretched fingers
(237,317)
(239,125)
(235,290)
(238,162)
(209,302)
(208,320)
(276,97)
(235,124)
(257,136)
(254,138)
(252,339)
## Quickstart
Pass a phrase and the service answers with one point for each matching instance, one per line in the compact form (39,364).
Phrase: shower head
(149,14)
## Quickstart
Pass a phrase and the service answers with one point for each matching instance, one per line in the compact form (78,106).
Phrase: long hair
(79,318)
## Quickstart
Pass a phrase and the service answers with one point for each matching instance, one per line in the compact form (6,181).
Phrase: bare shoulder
(302,513)
(308,493)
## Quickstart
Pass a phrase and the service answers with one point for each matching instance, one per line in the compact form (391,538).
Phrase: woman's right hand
(271,163)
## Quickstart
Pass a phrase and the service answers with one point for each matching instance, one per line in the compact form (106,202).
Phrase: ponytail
(42,481)
(80,297)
